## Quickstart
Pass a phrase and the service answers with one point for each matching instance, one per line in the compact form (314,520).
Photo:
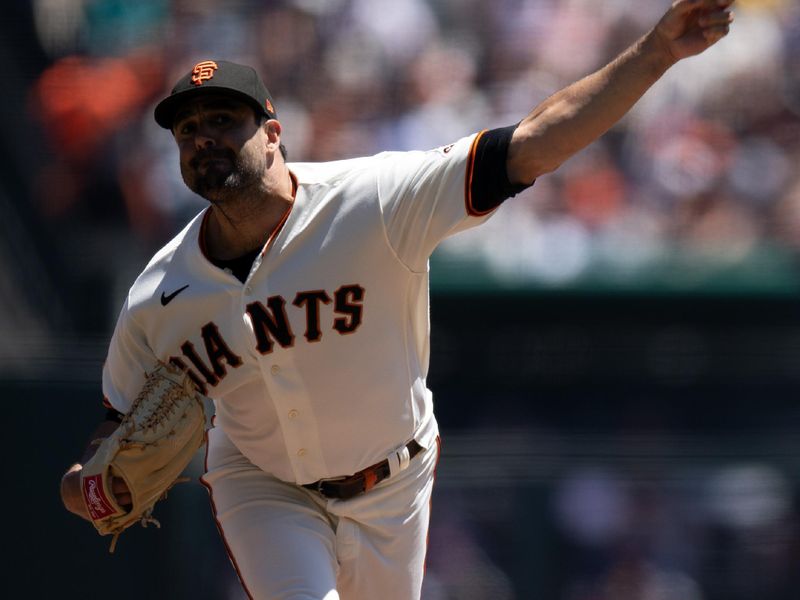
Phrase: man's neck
(240,225)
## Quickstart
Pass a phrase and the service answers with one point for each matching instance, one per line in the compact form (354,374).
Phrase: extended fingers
(715,25)
(716,19)
(689,27)
(686,6)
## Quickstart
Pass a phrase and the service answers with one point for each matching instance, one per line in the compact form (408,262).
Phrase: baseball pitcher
(298,302)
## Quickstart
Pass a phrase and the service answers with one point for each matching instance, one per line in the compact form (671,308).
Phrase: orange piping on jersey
(294,184)
(107,403)
(468,180)
(272,236)
(285,216)
(219,525)
(202,240)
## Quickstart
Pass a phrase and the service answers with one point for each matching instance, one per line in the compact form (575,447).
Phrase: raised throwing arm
(575,116)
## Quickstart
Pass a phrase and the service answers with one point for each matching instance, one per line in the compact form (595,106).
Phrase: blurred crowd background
(693,199)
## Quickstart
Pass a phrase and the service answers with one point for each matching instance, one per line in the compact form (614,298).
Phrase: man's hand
(71,492)
(692,26)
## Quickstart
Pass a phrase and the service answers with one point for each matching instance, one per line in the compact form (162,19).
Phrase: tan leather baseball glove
(149,450)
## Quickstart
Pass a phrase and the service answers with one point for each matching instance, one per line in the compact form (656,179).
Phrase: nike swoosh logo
(167,299)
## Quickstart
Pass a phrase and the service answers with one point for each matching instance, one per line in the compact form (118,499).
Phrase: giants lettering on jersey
(271,325)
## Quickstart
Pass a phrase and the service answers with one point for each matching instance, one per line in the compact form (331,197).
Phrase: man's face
(222,148)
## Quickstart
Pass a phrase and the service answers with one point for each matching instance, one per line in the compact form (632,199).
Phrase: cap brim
(166,110)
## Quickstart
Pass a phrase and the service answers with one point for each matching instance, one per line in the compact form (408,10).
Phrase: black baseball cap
(218,77)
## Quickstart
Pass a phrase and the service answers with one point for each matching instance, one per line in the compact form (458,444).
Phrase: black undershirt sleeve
(490,186)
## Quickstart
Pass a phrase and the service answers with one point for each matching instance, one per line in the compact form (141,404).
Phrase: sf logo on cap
(203,71)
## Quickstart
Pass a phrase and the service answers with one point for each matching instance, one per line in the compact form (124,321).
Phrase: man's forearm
(574,117)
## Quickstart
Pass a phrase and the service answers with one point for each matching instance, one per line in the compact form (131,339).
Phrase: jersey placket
(285,388)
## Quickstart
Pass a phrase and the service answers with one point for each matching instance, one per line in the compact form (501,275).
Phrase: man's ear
(272,127)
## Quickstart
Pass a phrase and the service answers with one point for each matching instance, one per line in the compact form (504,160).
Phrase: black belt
(344,488)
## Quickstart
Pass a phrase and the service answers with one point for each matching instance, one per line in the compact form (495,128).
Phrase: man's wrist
(658,51)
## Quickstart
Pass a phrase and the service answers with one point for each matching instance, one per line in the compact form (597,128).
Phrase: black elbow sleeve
(490,186)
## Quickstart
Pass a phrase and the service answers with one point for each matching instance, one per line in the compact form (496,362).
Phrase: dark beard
(219,181)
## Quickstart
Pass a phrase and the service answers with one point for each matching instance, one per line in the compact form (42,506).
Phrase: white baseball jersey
(317,362)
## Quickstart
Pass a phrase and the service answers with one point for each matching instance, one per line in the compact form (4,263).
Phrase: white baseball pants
(289,543)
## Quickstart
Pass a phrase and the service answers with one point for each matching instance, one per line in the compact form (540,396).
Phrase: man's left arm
(574,117)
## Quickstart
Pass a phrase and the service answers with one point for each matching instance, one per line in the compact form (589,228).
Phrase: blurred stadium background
(616,354)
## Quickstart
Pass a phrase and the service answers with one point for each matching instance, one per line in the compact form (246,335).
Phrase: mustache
(211,153)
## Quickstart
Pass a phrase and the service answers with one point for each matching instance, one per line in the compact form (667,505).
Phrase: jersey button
(275,369)
(248,290)
(301,452)
(293,413)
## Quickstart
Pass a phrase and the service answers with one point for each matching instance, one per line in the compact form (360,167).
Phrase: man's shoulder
(189,235)
(331,172)
(182,248)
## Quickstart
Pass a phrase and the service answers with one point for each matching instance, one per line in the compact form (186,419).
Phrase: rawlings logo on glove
(148,451)
(97,503)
